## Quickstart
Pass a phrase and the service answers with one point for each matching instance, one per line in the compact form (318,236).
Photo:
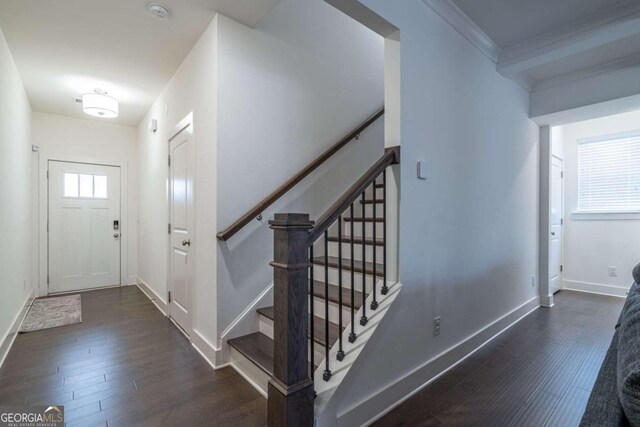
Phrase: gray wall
(468,235)
(286,92)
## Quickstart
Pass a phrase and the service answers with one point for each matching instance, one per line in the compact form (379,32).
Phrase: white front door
(555,226)
(181,219)
(84,226)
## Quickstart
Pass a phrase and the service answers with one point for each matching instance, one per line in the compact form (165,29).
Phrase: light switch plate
(423,170)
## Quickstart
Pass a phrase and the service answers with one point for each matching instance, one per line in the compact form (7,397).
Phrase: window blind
(609,173)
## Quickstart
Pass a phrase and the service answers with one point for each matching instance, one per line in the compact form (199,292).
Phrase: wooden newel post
(291,392)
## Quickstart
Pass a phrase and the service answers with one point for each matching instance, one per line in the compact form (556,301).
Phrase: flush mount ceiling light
(100,104)
(158,11)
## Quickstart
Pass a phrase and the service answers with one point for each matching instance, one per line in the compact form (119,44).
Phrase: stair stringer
(247,322)
(325,390)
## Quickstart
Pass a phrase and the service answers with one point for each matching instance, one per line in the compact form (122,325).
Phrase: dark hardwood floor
(538,373)
(124,365)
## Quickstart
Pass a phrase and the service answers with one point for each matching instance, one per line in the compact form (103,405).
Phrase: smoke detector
(159,11)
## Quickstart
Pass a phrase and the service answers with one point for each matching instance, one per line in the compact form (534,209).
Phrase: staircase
(257,347)
(330,292)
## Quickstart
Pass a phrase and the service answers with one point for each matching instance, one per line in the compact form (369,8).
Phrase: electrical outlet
(613,271)
(436,326)
(533,281)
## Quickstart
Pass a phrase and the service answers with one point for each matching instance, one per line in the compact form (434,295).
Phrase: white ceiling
(542,44)
(64,48)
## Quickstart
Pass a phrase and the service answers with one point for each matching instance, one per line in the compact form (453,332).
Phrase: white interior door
(555,226)
(181,219)
(84,226)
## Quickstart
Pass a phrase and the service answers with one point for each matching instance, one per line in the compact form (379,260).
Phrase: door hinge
(561,174)
(47,226)
(561,221)
(47,279)
(169,228)
(169,159)
(169,296)
(561,268)
(47,174)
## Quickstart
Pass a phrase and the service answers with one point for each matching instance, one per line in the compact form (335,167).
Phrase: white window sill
(600,215)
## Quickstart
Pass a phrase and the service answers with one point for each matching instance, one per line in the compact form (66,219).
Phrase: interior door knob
(553,233)
(116,235)
(186,242)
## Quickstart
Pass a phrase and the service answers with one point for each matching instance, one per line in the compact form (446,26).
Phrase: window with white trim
(85,186)
(609,173)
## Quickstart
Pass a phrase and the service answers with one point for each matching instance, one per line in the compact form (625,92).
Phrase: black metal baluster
(363,319)
(327,372)
(352,335)
(340,354)
(311,330)
(374,303)
(384,289)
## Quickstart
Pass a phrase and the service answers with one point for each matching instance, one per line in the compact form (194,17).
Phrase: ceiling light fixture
(100,104)
(158,11)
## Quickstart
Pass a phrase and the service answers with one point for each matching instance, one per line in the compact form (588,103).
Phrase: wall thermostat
(153,125)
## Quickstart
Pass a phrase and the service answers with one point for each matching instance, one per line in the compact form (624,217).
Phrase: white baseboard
(409,384)
(202,345)
(12,333)
(151,294)
(547,301)
(595,288)
(208,350)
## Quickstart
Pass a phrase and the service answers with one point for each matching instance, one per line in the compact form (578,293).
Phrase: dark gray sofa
(615,398)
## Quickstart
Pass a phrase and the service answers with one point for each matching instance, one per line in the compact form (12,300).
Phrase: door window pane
(86,186)
(99,186)
(70,184)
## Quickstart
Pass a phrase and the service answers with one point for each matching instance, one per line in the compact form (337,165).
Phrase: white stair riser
(318,273)
(249,370)
(357,252)
(318,310)
(368,229)
(266,327)
(368,209)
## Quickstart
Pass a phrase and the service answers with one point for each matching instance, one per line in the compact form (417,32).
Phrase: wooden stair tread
(346,265)
(378,185)
(334,294)
(365,219)
(258,348)
(358,240)
(371,201)
(318,327)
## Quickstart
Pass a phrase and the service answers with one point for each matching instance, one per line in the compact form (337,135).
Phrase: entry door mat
(46,313)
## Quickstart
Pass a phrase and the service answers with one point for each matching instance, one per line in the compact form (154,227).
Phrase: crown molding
(632,61)
(466,27)
(614,23)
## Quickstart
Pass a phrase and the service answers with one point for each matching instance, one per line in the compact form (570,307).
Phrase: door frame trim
(179,127)
(561,215)
(544,215)
(42,288)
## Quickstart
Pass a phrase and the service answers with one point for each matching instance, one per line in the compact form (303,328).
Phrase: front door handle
(186,242)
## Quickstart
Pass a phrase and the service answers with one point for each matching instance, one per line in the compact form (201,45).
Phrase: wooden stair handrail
(228,232)
(391,157)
